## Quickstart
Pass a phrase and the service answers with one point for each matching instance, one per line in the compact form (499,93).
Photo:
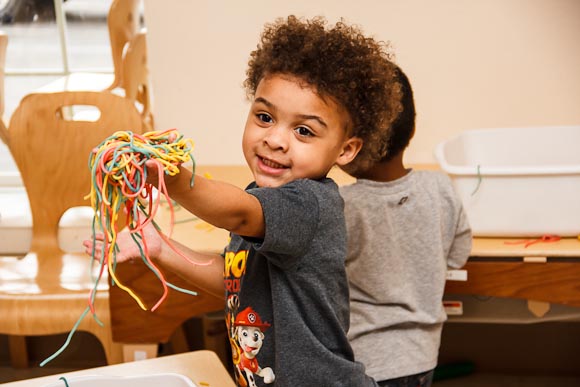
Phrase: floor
(84,351)
(494,380)
(553,352)
(8,374)
(472,355)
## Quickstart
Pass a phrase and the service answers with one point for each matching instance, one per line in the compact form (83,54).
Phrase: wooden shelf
(501,269)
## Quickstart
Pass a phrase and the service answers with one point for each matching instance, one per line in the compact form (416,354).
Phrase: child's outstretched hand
(128,250)
(155,168)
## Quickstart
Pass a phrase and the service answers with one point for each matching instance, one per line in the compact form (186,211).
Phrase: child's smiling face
(292,133)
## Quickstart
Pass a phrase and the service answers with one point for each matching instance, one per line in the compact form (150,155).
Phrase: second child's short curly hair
(338,62)
(403,128)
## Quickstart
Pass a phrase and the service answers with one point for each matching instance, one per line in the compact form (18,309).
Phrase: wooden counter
(203,368)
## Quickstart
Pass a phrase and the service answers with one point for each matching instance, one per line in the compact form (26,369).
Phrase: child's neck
(388,170)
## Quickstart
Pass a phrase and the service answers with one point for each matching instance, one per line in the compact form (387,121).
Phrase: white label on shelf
(456,275)
(453,308)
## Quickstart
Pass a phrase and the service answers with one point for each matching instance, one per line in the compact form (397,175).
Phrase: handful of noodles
(119,183)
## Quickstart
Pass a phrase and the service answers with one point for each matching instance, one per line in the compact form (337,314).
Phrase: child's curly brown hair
(339,62)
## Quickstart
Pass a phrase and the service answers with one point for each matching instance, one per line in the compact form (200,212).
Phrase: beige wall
(473,64)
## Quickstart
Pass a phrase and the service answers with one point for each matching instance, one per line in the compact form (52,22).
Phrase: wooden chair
(46,291)
(123,25)
(135,80)
(3,46)
(123,22)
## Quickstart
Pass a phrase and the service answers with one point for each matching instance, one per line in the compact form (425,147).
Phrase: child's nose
(277,138)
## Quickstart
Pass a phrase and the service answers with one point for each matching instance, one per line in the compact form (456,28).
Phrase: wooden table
(204,368)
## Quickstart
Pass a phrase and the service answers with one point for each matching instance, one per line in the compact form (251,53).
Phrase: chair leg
(215,337)
(179,341)
(18,351)
(113,352)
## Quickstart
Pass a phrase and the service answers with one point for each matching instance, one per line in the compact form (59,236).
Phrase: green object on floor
(453,370)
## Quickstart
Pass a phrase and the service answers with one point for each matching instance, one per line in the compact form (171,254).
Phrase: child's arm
(218,203)
(461,246)
(208,276)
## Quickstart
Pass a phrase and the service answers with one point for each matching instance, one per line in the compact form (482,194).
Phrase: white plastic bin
(164,380)
(520,182)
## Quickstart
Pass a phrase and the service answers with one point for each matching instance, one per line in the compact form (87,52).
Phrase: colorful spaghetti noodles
(120,188)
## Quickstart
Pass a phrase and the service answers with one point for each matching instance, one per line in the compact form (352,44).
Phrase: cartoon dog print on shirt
(249,334)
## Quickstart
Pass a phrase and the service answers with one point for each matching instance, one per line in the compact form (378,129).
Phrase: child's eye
(264,117)
(304,131)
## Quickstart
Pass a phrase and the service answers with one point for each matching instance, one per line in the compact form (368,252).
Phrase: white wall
(473,64)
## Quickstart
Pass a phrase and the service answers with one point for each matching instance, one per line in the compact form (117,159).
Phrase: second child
(405,228)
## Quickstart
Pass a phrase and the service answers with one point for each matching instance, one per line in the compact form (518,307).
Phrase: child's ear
(350,149)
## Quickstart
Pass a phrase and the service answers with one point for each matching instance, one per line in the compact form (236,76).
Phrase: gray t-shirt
(292,286)
(402,237)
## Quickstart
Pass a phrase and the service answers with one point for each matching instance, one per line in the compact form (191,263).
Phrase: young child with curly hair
(320,96)
(405,228)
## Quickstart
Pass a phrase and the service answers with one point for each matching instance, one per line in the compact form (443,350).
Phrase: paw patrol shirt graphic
(287,295)
(248,335)
(246,329)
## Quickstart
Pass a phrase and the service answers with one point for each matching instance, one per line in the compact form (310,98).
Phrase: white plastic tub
(517,181)
(163,380)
